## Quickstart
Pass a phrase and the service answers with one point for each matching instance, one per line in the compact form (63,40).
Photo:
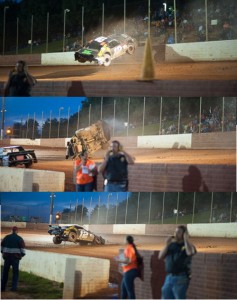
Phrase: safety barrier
(81,275)
(212,140)
(24,180)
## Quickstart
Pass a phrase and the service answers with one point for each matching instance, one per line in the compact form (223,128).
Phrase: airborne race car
(75,234)
(103,50)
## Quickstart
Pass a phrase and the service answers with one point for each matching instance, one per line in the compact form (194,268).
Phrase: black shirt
(116,168)
(177,261)
(18,85)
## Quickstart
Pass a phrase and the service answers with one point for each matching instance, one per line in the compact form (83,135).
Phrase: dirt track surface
(41,240)
(226,70)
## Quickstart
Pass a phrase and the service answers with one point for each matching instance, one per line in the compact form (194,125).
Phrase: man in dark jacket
(19,82)
(12,249)
(115,168)
(178,254)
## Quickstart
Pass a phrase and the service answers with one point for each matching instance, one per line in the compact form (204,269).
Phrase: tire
(72,237)
(131,49)
(57,240)
(107,60)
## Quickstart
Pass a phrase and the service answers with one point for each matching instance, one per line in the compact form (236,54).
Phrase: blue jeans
(127,287)
(8,262)
(175,287)
(88,187)
(115,187)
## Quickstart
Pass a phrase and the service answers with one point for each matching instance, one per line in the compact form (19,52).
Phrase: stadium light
(4,27)
(64,26)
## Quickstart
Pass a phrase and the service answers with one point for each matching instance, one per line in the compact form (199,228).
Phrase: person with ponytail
(130,269)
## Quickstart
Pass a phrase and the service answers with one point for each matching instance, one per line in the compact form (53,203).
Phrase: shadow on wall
(76,89)
(176,145)
(157,270)
(161,52)
(78,284)
(193,182)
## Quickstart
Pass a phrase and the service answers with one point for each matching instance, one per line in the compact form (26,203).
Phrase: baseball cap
(14,228)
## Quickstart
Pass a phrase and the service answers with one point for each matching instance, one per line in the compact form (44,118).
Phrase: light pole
(51,208)
(4,25)
(68,116)
(47,33)
(31,35)
(64,27)
(3,115)
(17,34)
(59,111)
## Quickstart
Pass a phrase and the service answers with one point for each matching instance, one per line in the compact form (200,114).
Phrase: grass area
(35,287)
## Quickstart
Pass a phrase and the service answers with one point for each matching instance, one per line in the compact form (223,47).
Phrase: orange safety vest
(84,174)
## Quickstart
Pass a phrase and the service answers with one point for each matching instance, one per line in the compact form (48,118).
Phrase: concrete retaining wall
(224,230)
(227,230)
(129,228)
(60,58)
(90,274)
(204,51)
(177,141)
(183,52)
(11,224)
(32,142)
(212,140)
(24,180)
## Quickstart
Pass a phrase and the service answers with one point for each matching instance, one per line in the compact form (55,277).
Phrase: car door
(116,48)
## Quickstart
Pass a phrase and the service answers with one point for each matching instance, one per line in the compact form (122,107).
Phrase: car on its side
(12,156)
(103,50)
(75,234)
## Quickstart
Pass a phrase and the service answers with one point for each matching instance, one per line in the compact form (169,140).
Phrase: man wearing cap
(12,249)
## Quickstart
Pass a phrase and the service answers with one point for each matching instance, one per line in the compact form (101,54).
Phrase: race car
(103,50)
(75,234)
(91,138)
(12,156)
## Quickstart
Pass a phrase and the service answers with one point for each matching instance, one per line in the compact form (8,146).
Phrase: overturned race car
(103,50)
(91,139)
(74,234)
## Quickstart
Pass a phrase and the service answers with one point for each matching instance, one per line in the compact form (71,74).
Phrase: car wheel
(72,237)
(57,240)
(107,60)
(131,49)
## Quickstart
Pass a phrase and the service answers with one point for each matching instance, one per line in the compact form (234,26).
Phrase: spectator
(85,172)
(19,82)
(12,249)
(115,168)
(128,261)
(178,253)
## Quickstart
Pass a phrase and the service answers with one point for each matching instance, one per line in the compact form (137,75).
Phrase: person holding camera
(115,168)
(85,172)
(19,82)
(177,253)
